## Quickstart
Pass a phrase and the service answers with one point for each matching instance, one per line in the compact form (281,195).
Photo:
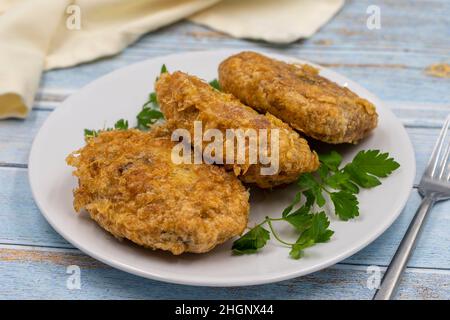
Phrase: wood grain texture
(390,62)
(23,224)
(16,135)
(43,275)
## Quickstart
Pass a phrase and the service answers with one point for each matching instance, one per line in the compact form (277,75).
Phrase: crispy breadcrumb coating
(184,99)
(130,187)
(298,95)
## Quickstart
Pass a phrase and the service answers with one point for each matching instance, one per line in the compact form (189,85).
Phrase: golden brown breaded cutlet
(298,95)
(130,187)
(184,99)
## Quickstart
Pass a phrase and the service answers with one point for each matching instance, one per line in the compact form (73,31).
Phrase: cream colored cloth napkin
(280,21)
(37,35)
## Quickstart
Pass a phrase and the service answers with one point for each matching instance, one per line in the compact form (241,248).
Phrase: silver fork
(434,186)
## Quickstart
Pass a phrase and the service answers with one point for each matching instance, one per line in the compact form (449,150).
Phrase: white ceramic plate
(121,94)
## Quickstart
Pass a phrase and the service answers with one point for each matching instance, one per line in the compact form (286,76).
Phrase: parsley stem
(324,189)
(275,219)
(269,222)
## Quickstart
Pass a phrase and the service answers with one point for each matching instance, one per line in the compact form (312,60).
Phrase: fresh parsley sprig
(312,228)
(121,124)
(363,172)
(149,115)
(340,185)
(215,84)
(150,112)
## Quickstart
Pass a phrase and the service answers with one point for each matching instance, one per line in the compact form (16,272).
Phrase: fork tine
(431,169)
(443,164)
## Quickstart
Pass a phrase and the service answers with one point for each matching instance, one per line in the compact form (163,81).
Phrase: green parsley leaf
(341,181)
(121,124)
(296,252)
(312,189)
(320,200)
(300,219)
(376,163)
(319,228)
(153,100)
(323,171)
(331,160)
(149,114)
(147,117)
(307,181)
(310,198)
(88,133)
(215,84)
(297,249)
(289,208)
(163,70)
(317,232)
(368,165)
(313,228)
(251,241)
(360,177)
(345,205)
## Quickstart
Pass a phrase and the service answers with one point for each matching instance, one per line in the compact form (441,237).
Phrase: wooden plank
(430,249)
(390,75)
(22,222)
(20,219)
(390,61)
(420,115)
(400,22)
(16,136)
(28,274)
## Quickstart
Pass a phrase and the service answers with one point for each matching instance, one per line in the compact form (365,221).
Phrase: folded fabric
(25,34)
(281,21)
(37,35)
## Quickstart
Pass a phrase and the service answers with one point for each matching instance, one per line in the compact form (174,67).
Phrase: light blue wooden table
(390,62)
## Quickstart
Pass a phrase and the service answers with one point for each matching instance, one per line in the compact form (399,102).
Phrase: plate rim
(178,279)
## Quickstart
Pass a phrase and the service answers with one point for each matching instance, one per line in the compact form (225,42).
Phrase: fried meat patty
(130,187)
(298,95)
(184,99)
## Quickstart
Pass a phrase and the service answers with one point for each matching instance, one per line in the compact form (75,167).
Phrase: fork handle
(394,272)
